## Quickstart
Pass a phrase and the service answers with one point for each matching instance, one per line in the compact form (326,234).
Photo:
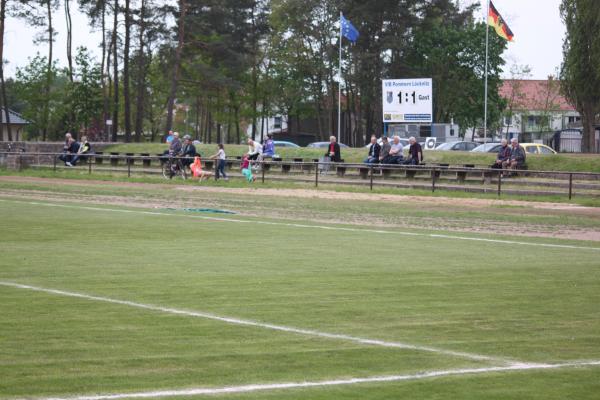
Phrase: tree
(580,75)
(515,96)
(3,96)
(183,5)
(85,94)
(126,86)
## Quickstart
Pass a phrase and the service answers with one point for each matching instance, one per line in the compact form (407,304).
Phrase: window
(531,121)
(508,120)
(545,150)
(572,120)
(532,149)
(277,123)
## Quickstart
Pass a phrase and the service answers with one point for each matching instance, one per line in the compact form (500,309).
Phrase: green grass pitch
(524,303)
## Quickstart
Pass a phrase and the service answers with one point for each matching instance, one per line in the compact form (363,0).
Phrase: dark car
(487,148)
(323,145)
(457,146)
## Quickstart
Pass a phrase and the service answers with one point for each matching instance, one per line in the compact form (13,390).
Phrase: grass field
(106,299)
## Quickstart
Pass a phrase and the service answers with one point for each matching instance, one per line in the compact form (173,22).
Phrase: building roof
(15,118)
(535,95)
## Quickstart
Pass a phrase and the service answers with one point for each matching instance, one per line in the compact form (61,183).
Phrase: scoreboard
(407,100)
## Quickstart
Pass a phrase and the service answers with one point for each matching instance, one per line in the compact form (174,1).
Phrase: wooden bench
(114,159)
(363,172)
(209,165)
(129,160)
(98,157)
(146,162)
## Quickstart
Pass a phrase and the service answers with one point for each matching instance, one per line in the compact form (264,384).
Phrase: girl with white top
(220,156)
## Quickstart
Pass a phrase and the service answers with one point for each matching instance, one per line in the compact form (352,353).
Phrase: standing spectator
(269,146)
(503,155)
(374,151)
(220,157)
(188,151)
(246,171)
(384,154)
(517,156)
(396,155)
(71,149)
(415,152)
(254,150)
(333,151)
(84,149)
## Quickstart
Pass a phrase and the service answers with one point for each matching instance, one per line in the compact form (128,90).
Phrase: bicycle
(173,167)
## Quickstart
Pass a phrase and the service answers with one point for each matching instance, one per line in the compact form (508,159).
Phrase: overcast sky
(536,24)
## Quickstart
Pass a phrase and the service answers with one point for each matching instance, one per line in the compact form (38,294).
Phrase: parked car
(536,148)
(457,146)
(487,148)
(284,143)
(323,145)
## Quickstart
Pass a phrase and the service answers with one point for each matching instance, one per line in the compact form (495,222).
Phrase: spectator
(169,137)
(269,146)
(175,146)
(333,151)
(415,152)
(254,150)
(503,155)
(517,156)
(84,149)
(71,149)
(188,151)
(396,155)
(220,157)
(385,150)
(374,151)
(246,171)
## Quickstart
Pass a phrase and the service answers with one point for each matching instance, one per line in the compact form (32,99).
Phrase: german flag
(496,20)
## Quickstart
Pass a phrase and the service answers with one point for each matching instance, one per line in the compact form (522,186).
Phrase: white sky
(536,24)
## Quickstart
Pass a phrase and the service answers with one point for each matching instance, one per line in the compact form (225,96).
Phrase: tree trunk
(197,120)
(176,64)
(46,115)
(126,87)
(141,84)
(69,39)
(115,117)
(4,99)
(589,132)
(104,65)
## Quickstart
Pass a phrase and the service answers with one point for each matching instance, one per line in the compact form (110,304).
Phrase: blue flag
(348,30)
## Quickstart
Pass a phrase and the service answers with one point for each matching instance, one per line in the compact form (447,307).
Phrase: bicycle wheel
(181,171)
(166,170)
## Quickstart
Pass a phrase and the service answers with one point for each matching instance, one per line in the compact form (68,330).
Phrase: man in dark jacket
(517,156)
(415,152)
(374,151)
(188,151)
(71,149)
(503,155)
(333,150)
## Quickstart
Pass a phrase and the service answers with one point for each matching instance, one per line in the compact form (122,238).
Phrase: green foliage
(85,94)
(580,75)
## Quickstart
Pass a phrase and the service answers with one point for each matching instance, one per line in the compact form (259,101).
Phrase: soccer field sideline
(310,226)
(513,365)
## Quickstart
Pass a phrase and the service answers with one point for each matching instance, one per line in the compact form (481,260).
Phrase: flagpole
(485,103)
(340,85)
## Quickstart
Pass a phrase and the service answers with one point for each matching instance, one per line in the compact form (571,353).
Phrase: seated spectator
(384,153)
(84,149)
(503,155)
(255,150)
(395,155)
(175,146)
(415,152)
(188,151)
(517,156)
(269,146)
(169,137)
(333,151)
(71,149)
(374,151)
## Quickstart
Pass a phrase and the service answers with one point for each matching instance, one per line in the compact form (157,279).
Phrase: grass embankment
(558,162)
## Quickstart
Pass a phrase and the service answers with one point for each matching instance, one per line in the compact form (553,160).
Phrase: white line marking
(282,328)
(323,227)
(340,382)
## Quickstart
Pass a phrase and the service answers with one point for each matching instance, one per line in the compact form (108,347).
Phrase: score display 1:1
(408,96)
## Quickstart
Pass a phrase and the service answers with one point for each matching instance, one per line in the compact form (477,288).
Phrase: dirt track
(254,205)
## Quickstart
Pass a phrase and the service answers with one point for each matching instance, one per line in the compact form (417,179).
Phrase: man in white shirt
(396,152)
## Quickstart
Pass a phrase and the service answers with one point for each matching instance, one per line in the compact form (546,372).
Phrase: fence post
(499,183)
(317,175)
(128,168)
(570,186)
(433,180)
(262,163)
(371,173)
(89,165)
